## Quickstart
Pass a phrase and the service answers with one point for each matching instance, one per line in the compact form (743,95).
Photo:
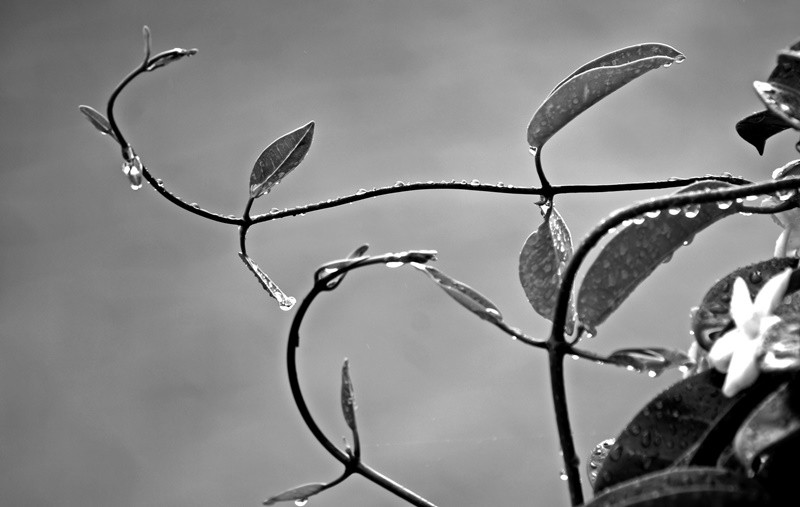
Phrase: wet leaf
(713,314)
(542,261)
(279,158)
(98,121)
(653,360)
(593,81)
(633,253)
(774,421)
(285,302)
(597,457)
(298,493)
(780,347)
(167,57)
(331,267)
(787,70)
(691,421)
(685,487)
(782,101)
(468,297)
(348,397)
(760,126)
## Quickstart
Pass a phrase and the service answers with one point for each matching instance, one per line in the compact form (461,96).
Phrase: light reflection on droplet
(394,264)
(724,204)
(674,211)
(653,214)
(300,502)
(691,210)
(563,475)
(652,374)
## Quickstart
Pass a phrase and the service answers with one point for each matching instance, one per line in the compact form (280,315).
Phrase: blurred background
(141,364)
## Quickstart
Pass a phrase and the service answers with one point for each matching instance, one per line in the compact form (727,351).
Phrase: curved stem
(556,353)
(547,193)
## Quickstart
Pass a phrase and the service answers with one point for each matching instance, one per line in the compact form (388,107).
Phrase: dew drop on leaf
(724,204)
(653,214)
(691,210)
(638,220)
(300,502)
(394,264)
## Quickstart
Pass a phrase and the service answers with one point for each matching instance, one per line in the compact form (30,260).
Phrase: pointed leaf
(758,127)
(465,295)
(634,252)
(685,487)
(542,261)
(597,457)
(712,317)
(782,101)
(279,158)
(298,493)
(334,266)
(653,360)
(584,89)
(98,121)
(168,57)
(348,397)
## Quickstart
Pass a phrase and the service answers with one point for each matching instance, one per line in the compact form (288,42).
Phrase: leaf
(597,457)
(98,121)
(348,397)
(758,127)
(685,487)
(298,493)
(593,81)
(334,266)
(653,360)
(542,261)
(634,252)
(279,158)
(779,349)
(782,101)
(689,423)
(774,421)
(167,57)
(712,317)
(465,295)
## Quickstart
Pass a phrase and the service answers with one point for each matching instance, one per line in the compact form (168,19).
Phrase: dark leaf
(713,314)
(787,70)
(98,121)
(780,348)
(298,493)
(775,420)
(542,261)
(597,457)
(653,360)
(634,252)
(348,397)
(592,82)
(782,101)
(279,158)
(468,297)
(167,57)
(758,127)
(685,487)
(691,421)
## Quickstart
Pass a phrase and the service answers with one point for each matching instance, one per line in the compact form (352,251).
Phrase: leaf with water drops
(167,57)
(299,494)
(465,295)
(652,360)
(782,101)
(712,317)
(779,349)
(542,261)
(279,158)
(98,121)
(760,126)
(335,266)
(285,302)
(348,397)
(597,457)
(636,250)
(593,81)
(685,487)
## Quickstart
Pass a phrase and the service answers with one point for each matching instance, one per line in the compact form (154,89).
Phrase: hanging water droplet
(691,210)
(687,242)
(300,502)
(674,211)
(638,220)
(160,182)
(626,223)
(500,184)
(394,264)
(574,357)
(475,183)
(680,59)
(563,475)
(274,210)
(724,204)
(612,230)
(745,213)
(668,64)
(132,168)
(532,150)
(652,374)
(286,303)
(784,195)
(751,198)
(653,214)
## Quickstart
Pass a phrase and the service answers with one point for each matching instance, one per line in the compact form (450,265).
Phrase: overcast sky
(141,364)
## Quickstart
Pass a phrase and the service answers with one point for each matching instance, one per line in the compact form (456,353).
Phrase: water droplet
(674,211)
(634,429)
(668,64)
(394,264)
(399,184)
(361,191)
(751,198)
(563,475)
(300,502)
(784,195)
(274,210)
(160,182)
(683,368)
(195,205)
(500,184)
(687,242)
(653,214)
(532,150)
(286,303)
(574,357)
(630,368)
(745,213)
(652,374)
(756,278)
(638,220)
(133,170)
(475,183)
(724,204)
(691,210)
(680,59)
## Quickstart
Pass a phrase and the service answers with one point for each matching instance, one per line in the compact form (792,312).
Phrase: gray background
(141,364)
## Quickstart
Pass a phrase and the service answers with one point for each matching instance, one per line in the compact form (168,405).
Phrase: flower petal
(721,352)
(743,369)
(781,243)
(771,294)
(741,304)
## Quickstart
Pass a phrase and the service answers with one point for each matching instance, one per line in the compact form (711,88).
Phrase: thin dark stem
(547,193)
(556,353)
(246,222)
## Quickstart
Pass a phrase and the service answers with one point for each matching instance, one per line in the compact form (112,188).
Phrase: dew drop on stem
(674,211)
(300,502)
(653,214)
(691,210)
(724,204)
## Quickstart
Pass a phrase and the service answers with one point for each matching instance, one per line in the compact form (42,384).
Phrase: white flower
(736,351)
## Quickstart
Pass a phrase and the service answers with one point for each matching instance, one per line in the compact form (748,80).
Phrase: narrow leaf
(653,360)
(285,302)
(758,127)
(348,397)
(633,253)
(299,493)
(465,295)
(279,158)
(542,261)
(781,100)
(586,87)
(334,266)
(713,317)
(167,57)
(98,121)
